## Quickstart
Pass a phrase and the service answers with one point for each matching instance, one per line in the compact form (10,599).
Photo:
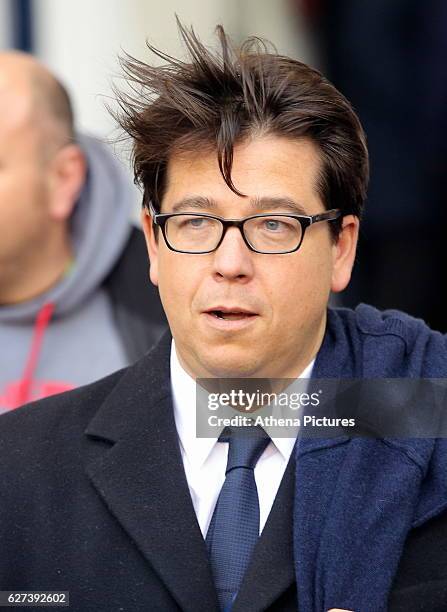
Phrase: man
(73,305)
(254,171)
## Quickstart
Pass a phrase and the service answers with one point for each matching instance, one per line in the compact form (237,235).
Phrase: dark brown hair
(216,100)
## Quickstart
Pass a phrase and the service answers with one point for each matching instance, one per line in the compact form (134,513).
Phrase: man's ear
(67,174)
(151,244)
(344,251)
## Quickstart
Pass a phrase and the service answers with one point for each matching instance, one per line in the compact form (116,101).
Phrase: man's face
(285,296)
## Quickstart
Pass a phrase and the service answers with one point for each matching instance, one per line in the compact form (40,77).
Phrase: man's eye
(273,225)
(197,222)
(193,223)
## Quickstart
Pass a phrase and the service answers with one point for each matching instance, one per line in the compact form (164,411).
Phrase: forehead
(264,167)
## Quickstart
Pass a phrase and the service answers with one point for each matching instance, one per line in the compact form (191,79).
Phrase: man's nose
(233,259)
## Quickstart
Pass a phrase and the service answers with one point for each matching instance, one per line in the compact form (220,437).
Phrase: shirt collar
(196,449)
(184,398)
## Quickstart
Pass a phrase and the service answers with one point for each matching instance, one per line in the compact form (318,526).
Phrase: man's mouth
(231,314)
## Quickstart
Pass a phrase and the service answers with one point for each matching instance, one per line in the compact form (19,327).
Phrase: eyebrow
(265,203)
(275,203)
(196,202)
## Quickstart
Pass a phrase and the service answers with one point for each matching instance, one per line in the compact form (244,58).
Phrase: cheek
(179,279)
(22,192)
(22,206)
(299,289)
(14,192)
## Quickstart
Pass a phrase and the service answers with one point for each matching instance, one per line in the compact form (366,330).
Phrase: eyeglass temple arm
(329,215)
(151,212)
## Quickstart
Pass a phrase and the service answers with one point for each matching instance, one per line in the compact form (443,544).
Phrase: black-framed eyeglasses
(267,233)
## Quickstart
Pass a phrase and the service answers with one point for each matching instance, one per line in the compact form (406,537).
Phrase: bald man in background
(75,302)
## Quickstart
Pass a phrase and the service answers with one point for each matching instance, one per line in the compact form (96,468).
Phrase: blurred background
(387,56)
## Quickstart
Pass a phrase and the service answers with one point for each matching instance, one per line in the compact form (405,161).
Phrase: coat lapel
(142,481)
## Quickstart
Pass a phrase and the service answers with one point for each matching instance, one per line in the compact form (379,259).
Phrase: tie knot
(246,446)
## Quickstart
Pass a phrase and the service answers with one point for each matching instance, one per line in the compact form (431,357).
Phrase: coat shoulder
(391,343)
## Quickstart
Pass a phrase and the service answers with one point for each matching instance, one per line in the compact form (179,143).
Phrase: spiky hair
(217,99)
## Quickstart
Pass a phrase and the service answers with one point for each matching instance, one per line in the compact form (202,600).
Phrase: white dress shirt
(205,459)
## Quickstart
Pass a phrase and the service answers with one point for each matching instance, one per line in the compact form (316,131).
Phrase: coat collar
(141,479)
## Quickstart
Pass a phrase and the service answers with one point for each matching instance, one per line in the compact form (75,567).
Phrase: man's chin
(231,365)
(220,359)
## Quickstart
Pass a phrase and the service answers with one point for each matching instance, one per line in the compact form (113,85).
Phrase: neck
(22,280)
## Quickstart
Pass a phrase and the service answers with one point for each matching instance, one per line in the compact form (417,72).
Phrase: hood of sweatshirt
(100,226)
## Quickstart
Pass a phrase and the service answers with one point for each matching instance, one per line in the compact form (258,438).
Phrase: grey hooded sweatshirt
(67,336)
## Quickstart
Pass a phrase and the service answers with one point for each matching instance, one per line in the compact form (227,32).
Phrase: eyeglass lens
(273,234)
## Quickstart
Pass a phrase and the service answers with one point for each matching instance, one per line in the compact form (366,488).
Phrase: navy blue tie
(234,527)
